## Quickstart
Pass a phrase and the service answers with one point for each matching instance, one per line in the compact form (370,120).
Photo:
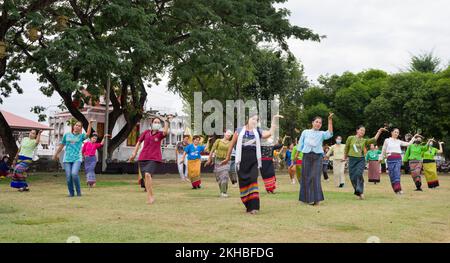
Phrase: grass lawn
(116,211)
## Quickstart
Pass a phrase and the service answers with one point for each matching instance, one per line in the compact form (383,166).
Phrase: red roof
(17,122)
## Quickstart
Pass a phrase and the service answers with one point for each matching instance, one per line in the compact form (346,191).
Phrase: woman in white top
(392,151)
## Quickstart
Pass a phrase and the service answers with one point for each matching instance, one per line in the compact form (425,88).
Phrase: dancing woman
(179,150)
(248,159)
(392,151)
(429,163)
(222,172)
(354,151)
(267,168)
(373,158)
(23,160)
(90,160)
(72,159)
(413,156)
(310,144)
(192,152)
(337,154)
(151,156)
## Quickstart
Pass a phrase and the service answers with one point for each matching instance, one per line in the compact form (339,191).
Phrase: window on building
(134,136)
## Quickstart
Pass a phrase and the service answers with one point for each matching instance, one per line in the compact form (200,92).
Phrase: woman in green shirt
(372,157)
(413,156)
(429,163)
(354,150)
(220,149)
(23,160)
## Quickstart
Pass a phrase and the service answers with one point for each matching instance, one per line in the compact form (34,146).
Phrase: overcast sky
(361,34)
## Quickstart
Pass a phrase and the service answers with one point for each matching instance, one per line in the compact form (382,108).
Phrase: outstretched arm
(273,126)
(89,129)
(441,150)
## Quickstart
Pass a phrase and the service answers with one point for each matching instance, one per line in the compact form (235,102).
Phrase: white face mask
(430,144)
(156,126)
(338,141)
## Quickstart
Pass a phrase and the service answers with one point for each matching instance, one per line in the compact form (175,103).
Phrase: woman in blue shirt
(192,152)
(310,144)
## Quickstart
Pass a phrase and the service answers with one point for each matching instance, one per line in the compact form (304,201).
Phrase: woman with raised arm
(354,151)
(23,160)
(89,151)
(393,152)
(73,141)
(151,155)
(222,172)
(429,163)
(413,156)
(248,159)
(310,144)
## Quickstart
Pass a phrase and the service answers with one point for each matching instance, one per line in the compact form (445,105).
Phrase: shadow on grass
(39,221)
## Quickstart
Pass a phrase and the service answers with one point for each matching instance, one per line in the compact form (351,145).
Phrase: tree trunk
(7,137)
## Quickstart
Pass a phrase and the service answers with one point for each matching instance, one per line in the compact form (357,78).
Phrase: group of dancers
(243,155)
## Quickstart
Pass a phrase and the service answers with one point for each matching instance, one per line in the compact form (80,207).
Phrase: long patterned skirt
(310,185)
(194,172)
(248,179)
(222,175)
(394,167)
(268,174)
(430,172)
(374,171)
(415,167)
(89,168)
(19,176)
(356,172)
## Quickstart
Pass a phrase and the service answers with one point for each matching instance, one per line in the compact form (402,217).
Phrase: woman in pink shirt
(90,160)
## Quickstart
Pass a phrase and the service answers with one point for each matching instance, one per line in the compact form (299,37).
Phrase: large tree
(138,41)
(11,15)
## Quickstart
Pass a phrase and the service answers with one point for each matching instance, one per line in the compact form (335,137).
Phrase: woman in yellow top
(219,150)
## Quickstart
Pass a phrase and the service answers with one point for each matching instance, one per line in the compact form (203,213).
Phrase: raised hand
(330,116)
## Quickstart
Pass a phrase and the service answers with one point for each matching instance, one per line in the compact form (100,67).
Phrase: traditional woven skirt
(374,171)
(89,168)
(415,167)
(222,175)
(19,176)
(268,174)
(310,185)
(194,172)
(356,171)
(394,167)
(248,179)
(430,172)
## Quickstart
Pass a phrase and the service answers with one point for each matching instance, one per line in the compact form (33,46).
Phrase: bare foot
(316,204)
(361,197)
(150,200)
(253,212)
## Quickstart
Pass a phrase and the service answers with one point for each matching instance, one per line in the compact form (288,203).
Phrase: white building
(60,122)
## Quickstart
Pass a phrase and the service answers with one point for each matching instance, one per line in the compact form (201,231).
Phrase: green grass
(116,211)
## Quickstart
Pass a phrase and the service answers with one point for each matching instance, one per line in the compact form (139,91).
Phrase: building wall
(60,124)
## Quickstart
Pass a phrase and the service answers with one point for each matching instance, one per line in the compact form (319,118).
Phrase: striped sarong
(415,167)
(268,174)
(222,175)
(430,172)
(248,179)
(394,166)
(19,176)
